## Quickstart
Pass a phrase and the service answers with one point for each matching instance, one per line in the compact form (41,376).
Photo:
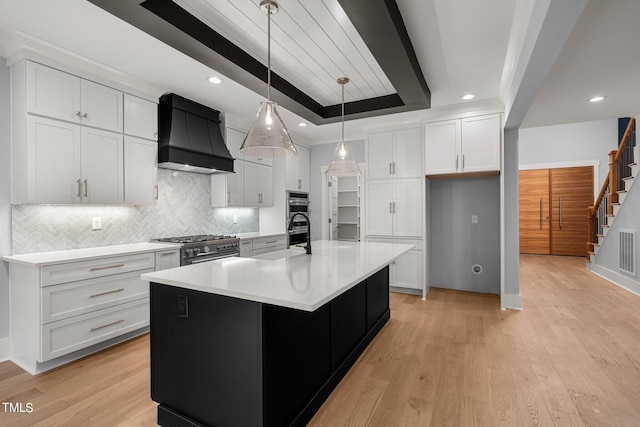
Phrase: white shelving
(349,208)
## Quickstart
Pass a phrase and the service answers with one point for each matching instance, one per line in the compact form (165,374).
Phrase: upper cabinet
(68,143)
(63,96)
(468,145)
(395,154)
(298,170)
(140,117)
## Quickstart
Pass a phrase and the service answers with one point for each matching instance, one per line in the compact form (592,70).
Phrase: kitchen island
(263,341)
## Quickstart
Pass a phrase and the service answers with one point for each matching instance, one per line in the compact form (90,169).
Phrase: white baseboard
(615,278)
(5,349)
(511,302)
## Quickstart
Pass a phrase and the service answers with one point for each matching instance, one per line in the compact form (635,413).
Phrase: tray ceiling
(313,43)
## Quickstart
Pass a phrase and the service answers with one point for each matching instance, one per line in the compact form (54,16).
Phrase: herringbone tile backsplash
(183,208)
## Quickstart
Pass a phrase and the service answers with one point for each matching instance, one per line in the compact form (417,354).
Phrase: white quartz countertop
(72,255)
(289,278)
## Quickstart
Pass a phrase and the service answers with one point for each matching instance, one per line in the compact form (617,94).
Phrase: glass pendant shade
(343,163)
(268,137)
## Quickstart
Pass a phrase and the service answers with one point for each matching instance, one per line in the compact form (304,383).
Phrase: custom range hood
(189,137)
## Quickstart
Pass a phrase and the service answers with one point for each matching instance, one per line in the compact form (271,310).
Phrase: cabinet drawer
(268,242)
(68,335)
(268,249)
(75,298)
(74,271)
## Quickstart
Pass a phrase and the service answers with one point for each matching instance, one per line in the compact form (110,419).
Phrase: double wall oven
(297,202)
(204,247)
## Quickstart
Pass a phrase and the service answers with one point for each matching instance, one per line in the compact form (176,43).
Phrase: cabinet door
(140,117)
(407,153)
(265,186)
(234,141)
(53,161)
(407,207)
(379,208)
(251,191)
(481,138)
(101,106)
(442,145)
(246,248)
(53,93)
(379,155)
(408,270)
(102,167)
(227,189)
(140,171)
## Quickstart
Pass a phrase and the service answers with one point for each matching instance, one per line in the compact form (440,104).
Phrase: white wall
(575,142)
(5,196)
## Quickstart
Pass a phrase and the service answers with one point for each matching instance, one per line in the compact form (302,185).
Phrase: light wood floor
(571,357)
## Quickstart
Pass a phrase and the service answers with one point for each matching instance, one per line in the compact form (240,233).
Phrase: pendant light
(343,163)
(268,137)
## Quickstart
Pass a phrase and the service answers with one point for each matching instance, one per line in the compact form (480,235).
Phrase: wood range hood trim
(171,24)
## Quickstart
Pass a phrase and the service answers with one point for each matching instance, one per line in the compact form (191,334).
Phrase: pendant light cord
(269,54)
(343,113)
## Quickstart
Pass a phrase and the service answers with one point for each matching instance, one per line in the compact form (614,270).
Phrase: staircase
(623,169)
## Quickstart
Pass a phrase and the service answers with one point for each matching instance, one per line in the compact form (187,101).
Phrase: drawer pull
(95,328)
(113,291)
(271,241)
(169,253)
(108,266)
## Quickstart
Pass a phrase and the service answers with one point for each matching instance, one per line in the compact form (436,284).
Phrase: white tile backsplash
(183,208)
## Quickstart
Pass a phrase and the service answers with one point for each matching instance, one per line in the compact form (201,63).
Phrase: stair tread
(628,178)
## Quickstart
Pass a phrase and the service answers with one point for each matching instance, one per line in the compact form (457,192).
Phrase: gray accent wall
(5,194)
(456,243)
(322,155)
(183,208)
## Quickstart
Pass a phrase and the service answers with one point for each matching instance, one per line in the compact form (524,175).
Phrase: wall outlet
(96,223)
(474,219)
(235,219)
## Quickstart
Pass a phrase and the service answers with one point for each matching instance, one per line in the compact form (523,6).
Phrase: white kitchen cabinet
(167,259)
(298,170)
(394,208)
(394,154)
(56,94)
(407,271)
(234,141)
(69,164)
(140,171)
(246,248)
(140,117)
(467,145)
(258,185)
(65,310)
(266,244)
(227,189)
(102,167)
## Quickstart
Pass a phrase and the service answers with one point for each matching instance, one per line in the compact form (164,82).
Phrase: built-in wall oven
(297,202)
(204,247)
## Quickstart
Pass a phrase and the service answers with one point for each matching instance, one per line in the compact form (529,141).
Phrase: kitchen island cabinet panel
(219,360)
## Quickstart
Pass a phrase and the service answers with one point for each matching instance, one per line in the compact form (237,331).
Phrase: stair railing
(619,169)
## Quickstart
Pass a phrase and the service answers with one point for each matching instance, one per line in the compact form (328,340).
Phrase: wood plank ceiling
(313,42)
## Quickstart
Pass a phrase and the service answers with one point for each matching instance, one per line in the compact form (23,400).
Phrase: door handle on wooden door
(541,214)
(560,213)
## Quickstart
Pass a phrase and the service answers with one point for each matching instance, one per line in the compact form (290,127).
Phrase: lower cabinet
(264,245)
(268,365)
(407,272)
(61,312)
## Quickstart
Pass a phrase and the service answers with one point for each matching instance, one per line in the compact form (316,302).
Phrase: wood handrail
(603,190)
(625,138)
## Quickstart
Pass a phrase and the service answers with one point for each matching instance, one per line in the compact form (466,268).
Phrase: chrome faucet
(307,248)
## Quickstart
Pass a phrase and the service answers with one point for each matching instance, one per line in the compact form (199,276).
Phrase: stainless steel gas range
(204,247)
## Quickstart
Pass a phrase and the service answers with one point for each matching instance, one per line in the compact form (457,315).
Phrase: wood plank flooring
(570,358)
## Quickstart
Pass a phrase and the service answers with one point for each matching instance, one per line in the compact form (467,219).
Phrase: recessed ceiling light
(302,124)
(214,80)
(596,98)
(468,96)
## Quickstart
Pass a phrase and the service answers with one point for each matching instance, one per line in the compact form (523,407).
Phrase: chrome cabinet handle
(85,115)
(114,291)
(299,184)
(79,182)
(107,267)
(393,168)
(169,253)
(463,162)
(157,193)
(95,328)
(560,213)
(86,189)
(394,207)
(390,169)
(79,114)
(390,207)
(228,196)
(271,241)
(457,162)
